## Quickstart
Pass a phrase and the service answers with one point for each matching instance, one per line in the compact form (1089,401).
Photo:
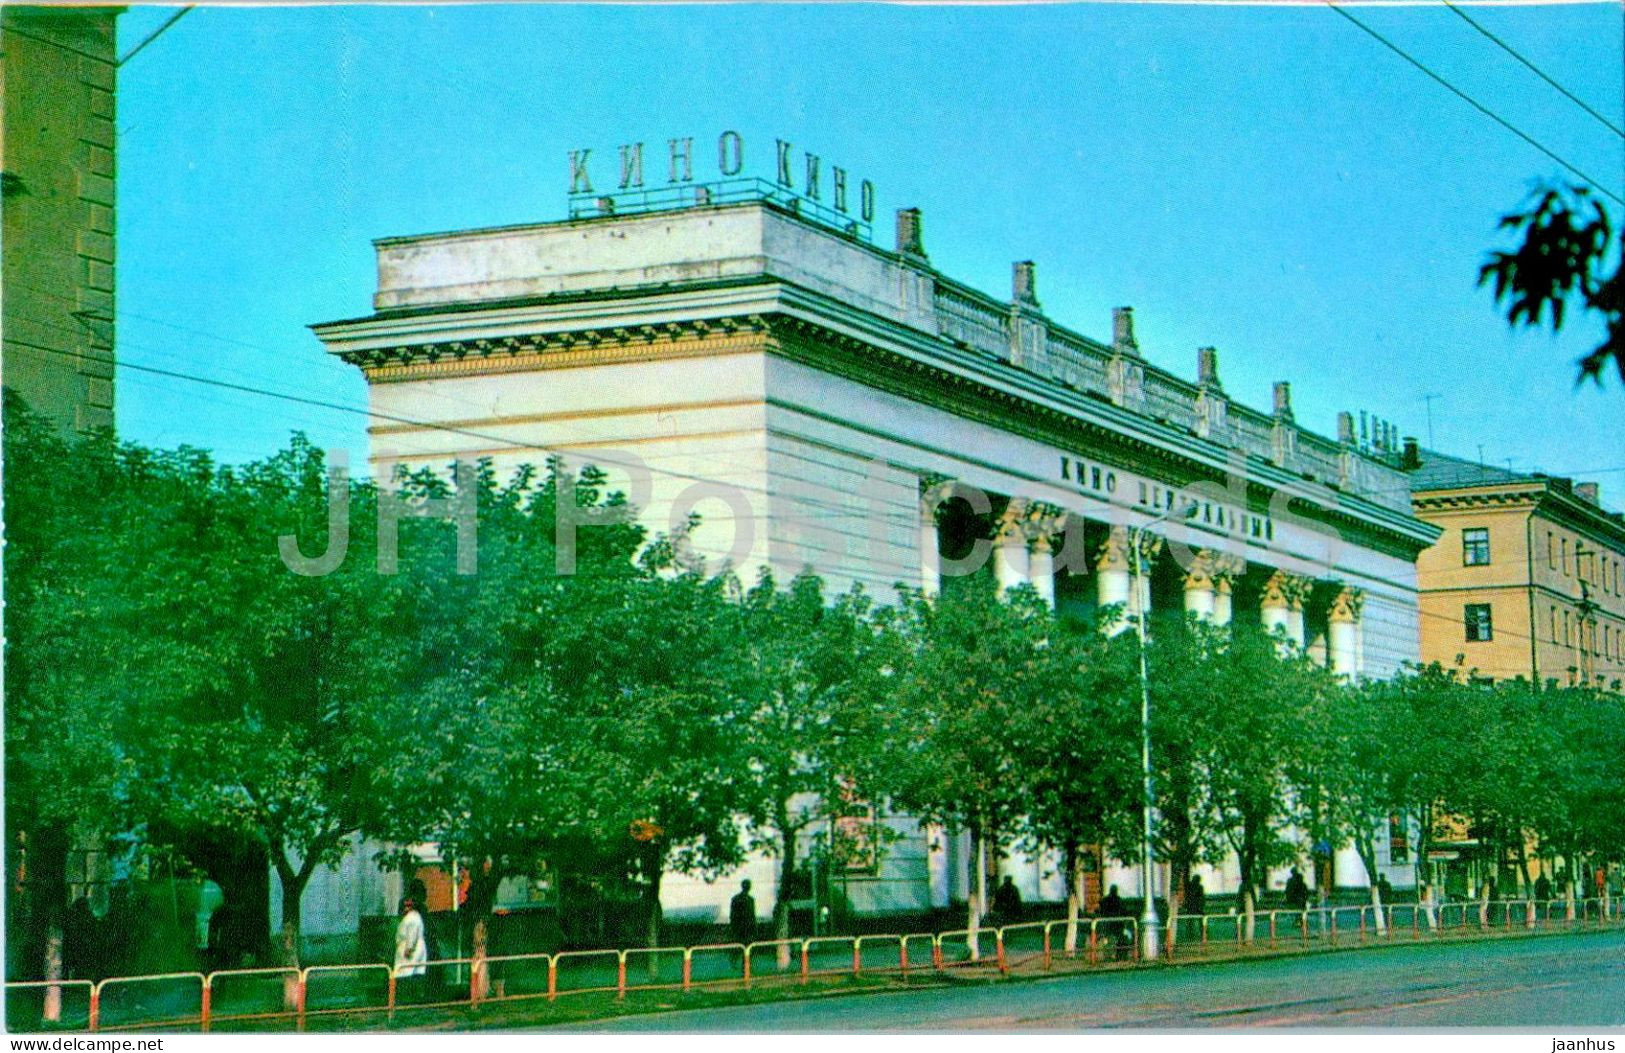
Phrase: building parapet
(762,241)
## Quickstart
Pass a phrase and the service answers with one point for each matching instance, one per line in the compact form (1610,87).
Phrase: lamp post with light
(1150,924)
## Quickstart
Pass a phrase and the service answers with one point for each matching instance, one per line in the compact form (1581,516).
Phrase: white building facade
(820,401)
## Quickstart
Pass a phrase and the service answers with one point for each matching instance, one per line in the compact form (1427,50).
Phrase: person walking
(1195,895)
(411,952)
(1007,902)
(1297,891)
(742,915)
(1112,906)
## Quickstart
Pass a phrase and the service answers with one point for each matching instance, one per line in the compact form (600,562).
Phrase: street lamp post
(1150,924)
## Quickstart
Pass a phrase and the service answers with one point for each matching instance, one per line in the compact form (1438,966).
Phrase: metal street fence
(287,996)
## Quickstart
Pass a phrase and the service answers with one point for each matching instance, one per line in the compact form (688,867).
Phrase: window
(1477,617)
(1475,547)
(1551,552)
(1565,555)
(1554,625)
(1399,842)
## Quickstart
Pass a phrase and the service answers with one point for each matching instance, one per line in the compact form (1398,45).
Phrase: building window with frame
(1565,555)
(1554,625)
(1477,617)
(1475,547)
(1551,551)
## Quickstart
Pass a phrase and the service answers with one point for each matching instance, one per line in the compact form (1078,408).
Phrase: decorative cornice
(563,350)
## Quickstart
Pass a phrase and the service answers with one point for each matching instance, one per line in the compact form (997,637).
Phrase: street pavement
(1555,983)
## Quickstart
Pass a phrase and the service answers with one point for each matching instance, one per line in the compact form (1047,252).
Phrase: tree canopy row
(643,716)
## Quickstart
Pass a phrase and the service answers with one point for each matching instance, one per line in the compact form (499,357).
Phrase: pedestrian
(411,952)
(1602,882)
(1543,888)
(1007,902)
(1297,891)
(1195,895)
(1385,888)
(1112,906)
(742,915)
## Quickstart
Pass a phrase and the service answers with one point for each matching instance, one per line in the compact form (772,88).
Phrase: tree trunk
(976,896)
(47,883)
(293,892)
(781,903)
(1176,900)
(483,881)
(1074,896)
(652,913)
(1568,904)
(1248,907)
(1367,850)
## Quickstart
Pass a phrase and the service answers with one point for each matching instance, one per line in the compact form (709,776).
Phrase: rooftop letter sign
(628,180)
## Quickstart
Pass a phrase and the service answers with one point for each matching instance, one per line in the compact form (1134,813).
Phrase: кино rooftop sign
(804,177)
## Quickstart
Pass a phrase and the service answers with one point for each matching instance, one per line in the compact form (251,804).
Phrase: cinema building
(820,401)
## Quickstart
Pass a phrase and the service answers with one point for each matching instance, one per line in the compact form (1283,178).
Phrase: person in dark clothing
(1112,906)
(742,915)
(1007,902)
(1195,895)
(1297,891)
(1385,888)
(1543,888)
(81,957)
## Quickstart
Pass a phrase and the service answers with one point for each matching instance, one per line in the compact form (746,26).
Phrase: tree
(486,765)
(70,630)
(1345,776)
(1078,745)
(1568,245)
(960,671)
(273,720)
(1188,830)
(1256,724)
(795,677)
(644,688)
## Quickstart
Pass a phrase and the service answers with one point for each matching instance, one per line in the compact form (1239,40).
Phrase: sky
(1268,180)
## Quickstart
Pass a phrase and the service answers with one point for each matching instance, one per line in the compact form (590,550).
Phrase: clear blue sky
(1268,180)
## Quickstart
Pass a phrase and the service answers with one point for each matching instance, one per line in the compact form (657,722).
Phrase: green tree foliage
(1079,755)
(961,672)
(1568,246)
(801,717)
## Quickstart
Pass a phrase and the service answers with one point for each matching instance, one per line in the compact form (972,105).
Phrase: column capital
(1347,605)
(1114,552)
(1287,590)
(1014,524)
(1212,569)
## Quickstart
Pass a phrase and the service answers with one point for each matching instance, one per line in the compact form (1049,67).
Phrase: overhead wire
(1536,70)
(1475,104)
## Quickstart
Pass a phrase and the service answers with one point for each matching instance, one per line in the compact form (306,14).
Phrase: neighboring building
(57,150)
(817,398)
(1528,578)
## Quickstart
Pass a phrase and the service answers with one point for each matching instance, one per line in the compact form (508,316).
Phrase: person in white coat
(411,952)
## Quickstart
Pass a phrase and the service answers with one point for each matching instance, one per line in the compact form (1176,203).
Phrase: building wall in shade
(58,150)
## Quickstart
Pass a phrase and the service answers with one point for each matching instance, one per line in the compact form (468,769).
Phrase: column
(1011,566)
(1044,522)
(930,552)
(1041,566)
(1201,593)
(1115,573)
(933,491)
(1274,607)
(1282,605)
(1226,569)
(1343,632)
(1112,576)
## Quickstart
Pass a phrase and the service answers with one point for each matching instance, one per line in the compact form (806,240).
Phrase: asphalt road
(1557,983)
